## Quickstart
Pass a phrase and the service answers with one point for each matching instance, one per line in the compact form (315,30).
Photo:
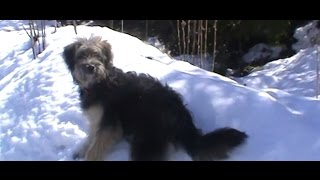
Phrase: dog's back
(154,115)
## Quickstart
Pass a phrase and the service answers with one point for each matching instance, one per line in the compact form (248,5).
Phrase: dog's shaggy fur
(137,107)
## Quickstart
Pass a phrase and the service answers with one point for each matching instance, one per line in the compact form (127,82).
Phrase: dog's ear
(69,53)
(107,51)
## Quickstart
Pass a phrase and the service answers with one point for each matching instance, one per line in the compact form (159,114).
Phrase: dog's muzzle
(87,68)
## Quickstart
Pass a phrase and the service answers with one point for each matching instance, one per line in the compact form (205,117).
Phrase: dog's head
(88,60)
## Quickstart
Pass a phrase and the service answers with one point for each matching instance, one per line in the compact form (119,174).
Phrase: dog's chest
(94,113)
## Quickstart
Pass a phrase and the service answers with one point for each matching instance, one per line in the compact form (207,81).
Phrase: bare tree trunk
(38,35)
(34,29)
(38,26)
(75,26)
(32,39)
(183,25)
(188,36)
(55,26)
(146,29)
(109,23)
(179,45)
(214,44)
(201,44)
(205,39)
(121,25)
(35,37)
(198,42)
(317,88)
(43,34)
(194,39)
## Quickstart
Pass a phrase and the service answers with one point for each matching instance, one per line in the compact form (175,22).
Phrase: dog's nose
(87,68)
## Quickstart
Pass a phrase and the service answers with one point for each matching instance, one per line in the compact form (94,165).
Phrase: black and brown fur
(137,107)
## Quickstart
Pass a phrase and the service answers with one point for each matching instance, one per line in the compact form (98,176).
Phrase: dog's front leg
(80,153)
(102,143)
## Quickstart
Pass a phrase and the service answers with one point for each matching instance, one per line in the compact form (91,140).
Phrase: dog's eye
(81,56)
(98,57)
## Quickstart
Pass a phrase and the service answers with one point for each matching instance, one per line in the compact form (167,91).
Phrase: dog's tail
(212,146)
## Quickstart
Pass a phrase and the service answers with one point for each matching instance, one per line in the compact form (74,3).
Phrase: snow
(203,61)
(295,75)
(307,36)
(40,117)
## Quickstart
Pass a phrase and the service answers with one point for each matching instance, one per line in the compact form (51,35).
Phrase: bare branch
(26,31)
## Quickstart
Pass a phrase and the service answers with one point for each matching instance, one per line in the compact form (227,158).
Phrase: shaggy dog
(137,107)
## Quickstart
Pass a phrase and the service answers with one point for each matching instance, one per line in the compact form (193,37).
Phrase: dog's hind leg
(102,142)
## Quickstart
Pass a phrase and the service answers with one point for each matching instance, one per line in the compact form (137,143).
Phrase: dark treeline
(197,37)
